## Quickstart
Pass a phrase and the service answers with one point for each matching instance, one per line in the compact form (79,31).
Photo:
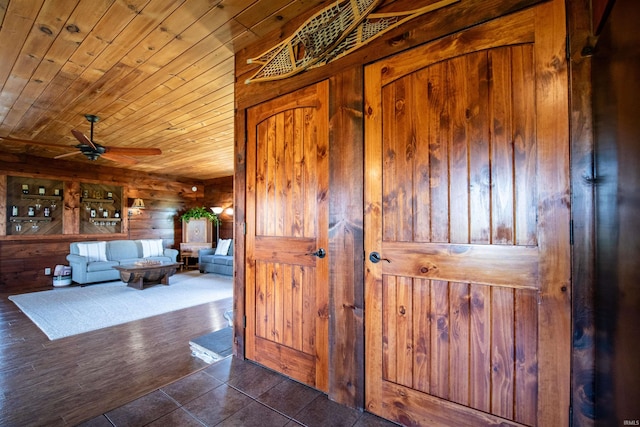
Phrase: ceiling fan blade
(120,158)
(67,154)
(133,151)
(83,139)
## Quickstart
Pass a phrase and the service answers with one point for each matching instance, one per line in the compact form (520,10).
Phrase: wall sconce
(229,211)
(217,210)
(136,206)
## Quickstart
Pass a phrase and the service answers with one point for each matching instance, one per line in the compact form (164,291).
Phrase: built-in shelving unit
(95,200)
(34,201)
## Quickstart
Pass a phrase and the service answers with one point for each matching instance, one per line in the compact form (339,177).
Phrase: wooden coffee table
(144,274)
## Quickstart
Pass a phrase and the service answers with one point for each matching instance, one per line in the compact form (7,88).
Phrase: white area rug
(63,312)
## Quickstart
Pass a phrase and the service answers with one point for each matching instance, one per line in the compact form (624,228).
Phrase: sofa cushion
(118,250)
(223,260)
(152,247)
(93,251)
(101,265)
(207,258)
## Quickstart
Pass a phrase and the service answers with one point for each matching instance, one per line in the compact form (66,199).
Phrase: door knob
(375,258)
(320,253)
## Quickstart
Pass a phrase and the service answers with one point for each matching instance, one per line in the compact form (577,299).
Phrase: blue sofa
(209,262)
(94,261)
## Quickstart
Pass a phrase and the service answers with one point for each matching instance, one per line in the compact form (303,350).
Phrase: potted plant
(199,212)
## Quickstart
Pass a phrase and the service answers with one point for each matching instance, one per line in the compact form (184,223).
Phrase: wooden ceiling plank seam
(211,120)
(176,117)
(48,23)
(258,12)
(143,99)
(189,35)
(4,4)
(119,82)
(151,133)
(165,32)
(19,19)
(150,100)
(86,16)
(221,127)
(135,30)
(198,133)
(132,94)
(202,85)
(287,13)
(90,16)
(214,134)
(72,117)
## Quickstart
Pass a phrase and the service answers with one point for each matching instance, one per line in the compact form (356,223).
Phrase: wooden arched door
(287,190)
(467,207)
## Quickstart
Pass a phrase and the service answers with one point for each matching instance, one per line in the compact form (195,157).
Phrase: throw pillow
(223,246)
(152,248)
(94,251)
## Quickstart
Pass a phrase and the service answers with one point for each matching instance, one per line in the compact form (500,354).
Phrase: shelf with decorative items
(105,221)
(30,219)
(104,201)
(35,201)
(102,211)
(39,197)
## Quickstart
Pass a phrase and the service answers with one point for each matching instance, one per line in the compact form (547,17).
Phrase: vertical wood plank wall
(583,214)
(616,108)
(346,169)
(23,260)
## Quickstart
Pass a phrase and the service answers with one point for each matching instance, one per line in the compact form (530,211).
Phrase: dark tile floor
(234,392)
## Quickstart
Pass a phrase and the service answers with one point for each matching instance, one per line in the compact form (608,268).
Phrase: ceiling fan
(92,150)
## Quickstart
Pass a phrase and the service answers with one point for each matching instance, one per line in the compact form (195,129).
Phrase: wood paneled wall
(219,192)
(583,214)
(616,107)
(23,259)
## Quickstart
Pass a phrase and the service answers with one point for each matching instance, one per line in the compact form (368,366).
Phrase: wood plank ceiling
(158,73)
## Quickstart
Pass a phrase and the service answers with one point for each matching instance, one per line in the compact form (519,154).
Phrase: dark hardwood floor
(70,380)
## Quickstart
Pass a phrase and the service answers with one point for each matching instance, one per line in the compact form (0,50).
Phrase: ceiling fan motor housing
(89,152)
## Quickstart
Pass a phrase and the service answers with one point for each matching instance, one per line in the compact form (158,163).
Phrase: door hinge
(571,232)
(244,322)
(568,48)
(244,228)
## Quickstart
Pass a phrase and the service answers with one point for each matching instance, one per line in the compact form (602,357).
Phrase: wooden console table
(191,250)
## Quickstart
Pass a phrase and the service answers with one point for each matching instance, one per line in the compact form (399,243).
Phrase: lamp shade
(138,204)
(217,210)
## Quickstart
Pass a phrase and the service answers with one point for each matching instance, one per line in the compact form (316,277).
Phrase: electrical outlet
(47,271)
